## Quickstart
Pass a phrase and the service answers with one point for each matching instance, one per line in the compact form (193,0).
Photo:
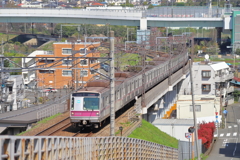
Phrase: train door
(78,103)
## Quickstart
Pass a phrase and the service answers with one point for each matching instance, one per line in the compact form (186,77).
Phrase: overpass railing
(80,148)
(78,13)
(185,12)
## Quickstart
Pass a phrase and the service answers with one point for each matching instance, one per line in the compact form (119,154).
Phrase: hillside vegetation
(151,133)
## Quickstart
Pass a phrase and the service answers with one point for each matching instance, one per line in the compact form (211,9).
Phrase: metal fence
(185,12)
(94,148)
(185,150)
(52,110)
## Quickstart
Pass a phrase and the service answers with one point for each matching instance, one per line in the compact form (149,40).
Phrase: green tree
(237,51)
(189,3)
(180,4)
(145,3)
(150,6)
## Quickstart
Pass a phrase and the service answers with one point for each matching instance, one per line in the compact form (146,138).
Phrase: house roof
(219,66)
(236,79)
(97,4)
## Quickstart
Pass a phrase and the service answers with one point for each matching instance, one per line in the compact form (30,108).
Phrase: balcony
(224,77)
(230,89)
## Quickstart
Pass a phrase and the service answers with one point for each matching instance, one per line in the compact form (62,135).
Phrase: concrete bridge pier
(219,32)
(143,33)
(163,107)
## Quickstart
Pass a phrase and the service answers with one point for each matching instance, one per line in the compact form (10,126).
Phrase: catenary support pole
(112,85)
(194,114)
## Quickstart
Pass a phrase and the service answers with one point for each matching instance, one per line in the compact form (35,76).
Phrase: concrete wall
(175,128)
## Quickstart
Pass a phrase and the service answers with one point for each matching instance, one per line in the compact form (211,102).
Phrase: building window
(83,51)
(66,73)
(84,62)
(47,61)
(67,62)
(93,71)
(206,74)
(197,108)
(46,71)
(66,51)
(84,73)
(206,87)
(93,61)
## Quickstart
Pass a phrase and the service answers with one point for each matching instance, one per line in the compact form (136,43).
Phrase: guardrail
(185,12)
(101,148)
(36,12)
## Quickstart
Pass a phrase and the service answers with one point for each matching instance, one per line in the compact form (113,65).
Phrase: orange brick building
(66,70)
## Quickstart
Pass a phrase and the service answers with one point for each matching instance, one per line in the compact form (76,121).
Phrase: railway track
(79,134)
(118,122)
(55,128)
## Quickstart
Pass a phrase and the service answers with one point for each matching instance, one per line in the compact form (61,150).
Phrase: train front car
(85,109)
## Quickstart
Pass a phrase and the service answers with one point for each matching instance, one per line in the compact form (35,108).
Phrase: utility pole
(2,85)
(143,78)
(73,64)
(194,114)
(112,85)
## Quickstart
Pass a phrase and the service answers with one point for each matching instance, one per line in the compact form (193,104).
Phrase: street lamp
(121,128)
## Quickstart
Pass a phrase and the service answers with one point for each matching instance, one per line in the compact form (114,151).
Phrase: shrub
(205,133)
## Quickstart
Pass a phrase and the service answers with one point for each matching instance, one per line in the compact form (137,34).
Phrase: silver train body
(89,107)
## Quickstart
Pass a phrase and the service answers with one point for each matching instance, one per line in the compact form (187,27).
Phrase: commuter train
(90,106)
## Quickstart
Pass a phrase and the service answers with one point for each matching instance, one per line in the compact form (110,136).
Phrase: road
(227,146)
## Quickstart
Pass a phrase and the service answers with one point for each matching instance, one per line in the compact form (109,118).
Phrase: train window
(103,103)
(118,94)
(107,100)
(85,94)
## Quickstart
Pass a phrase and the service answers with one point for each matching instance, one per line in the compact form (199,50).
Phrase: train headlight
(72,108)
(84,122)
(72,113)
(97,114)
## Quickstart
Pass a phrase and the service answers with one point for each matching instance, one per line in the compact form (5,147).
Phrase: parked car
(45,90)
(48,90)
(105,67)
(52,89)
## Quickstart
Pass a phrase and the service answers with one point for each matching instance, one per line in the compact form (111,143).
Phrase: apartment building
(212,90)
(65,67)
(12,93)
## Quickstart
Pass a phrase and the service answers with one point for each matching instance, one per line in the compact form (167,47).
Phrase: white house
(13,93)
(29,76)
(210,78)
(206,107)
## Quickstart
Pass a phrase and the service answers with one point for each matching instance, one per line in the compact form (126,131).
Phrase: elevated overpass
(158,17)
(223,19)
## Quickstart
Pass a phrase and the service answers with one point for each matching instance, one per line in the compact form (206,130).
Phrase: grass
(40,122)
(149,132)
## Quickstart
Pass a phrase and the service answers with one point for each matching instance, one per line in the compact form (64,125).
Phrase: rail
(101,148)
